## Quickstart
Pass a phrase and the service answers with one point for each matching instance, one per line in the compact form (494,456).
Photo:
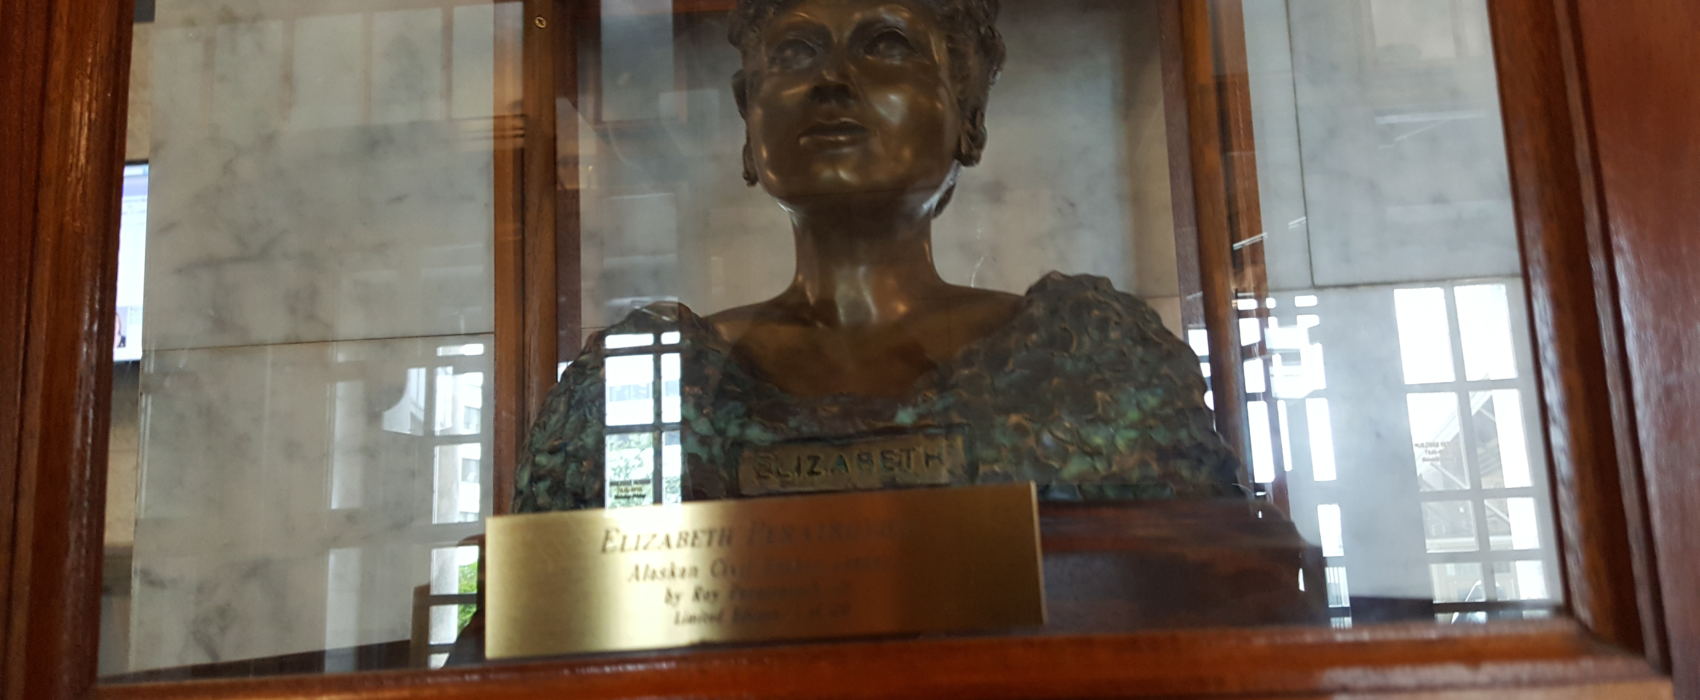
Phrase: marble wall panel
(1275,127)
(309,183)
(1375,480)
(290,494)
(1075,177)
(1401,141)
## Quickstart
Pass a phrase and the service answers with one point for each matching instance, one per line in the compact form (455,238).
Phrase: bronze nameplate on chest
(931,458)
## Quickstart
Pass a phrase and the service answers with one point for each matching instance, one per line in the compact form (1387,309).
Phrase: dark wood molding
(75,62)
(1175,122)
(573,16)
(1630,140)
(543,27)
(1551,194)
(508,266)
(1211,662)
(23,59)
(537,222)
(1210,188)
(1635,62)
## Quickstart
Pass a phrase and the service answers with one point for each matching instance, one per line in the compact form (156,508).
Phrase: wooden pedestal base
(1116,568)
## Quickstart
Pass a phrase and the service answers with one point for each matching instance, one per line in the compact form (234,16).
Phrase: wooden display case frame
(1603,152)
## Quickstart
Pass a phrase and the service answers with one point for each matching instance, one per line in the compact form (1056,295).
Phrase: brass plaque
(851,564)
(852,464)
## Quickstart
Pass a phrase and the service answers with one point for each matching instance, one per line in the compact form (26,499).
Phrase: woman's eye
(792,53)
(890,44)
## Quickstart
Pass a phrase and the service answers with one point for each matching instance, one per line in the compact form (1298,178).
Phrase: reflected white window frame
(1471,391)
(665,420)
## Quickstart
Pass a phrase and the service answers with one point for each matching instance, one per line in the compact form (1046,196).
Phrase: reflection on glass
(1252,370)
(463,350)
(450,597)
(407,416)
(457,488)
(1297,368)
(1484,326)
(1328,522)
(630,390)
(672,467)
(642,414)
(670,387)
(1321,440)
(1339,593)
(1502,453)
(1520,580)
(628,340)
(459,402)
(630,460)
(1449,526)
(1262,452)
(1437,442)
(1425,338)
(1511,524)
(1457,582)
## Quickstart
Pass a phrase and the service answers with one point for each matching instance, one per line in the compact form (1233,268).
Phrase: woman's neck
(863,267)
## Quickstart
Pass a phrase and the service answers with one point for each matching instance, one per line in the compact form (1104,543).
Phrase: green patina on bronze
(1084,392)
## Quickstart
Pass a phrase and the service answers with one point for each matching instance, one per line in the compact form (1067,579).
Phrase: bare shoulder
(752,320)
(980,309)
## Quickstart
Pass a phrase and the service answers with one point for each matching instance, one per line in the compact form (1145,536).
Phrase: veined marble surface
(315,181)
(291,494)
(1400,138)
(1275,127)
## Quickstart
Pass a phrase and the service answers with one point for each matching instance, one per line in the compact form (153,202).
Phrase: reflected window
(1452,382)
(642,414)
(1425,336)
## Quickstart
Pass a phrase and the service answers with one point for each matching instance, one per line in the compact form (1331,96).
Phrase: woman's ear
(971,143)
(749,163)
(739,85)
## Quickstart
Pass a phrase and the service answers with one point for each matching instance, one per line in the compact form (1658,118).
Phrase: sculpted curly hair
(976,57)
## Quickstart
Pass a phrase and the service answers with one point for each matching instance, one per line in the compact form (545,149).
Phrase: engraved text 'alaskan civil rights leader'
(830,565)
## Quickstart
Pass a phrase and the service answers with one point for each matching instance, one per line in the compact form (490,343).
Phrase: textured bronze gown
(1084,392)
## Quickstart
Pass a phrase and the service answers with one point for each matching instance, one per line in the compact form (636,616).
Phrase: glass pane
(630,387)
(1425,339)
(1520,580)
(822,242)
(1502,449)
(1321,440)
(1437,441)
(1484,324)
(1457,583)
(1512,524)
(1449,526)
(303,426)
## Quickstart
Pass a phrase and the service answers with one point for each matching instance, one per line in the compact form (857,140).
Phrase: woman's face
(851,97)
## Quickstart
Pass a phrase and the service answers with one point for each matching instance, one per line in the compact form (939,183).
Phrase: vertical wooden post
(1633,75)
(508,356)
(65,70)
(572,16)
(1215,240)
(1245,215)
(1583,378)
(537,209)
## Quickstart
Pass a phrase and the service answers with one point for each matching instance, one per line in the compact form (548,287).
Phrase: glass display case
(1287,315)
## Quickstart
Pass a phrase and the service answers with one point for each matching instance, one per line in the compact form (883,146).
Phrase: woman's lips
(836,132)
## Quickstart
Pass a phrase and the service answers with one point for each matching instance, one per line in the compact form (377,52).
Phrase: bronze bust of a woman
(860,115)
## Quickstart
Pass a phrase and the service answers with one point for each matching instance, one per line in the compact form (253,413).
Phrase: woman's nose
(834,82)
